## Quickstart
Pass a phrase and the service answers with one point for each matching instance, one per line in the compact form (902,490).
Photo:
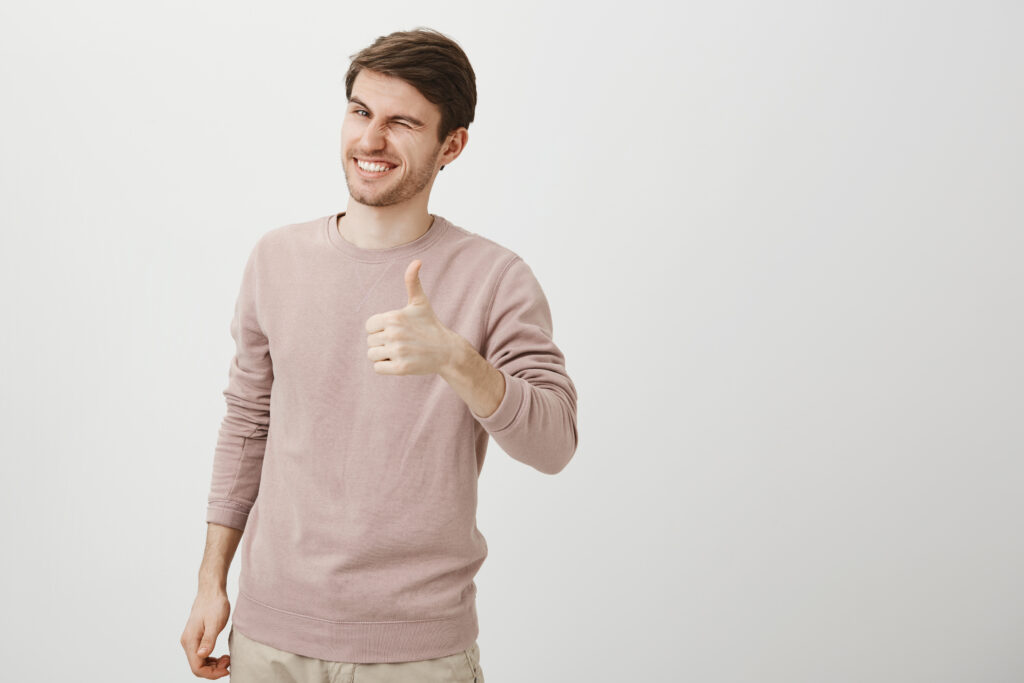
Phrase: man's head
(411,97)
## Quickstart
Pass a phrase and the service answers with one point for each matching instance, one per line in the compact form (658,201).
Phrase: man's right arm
(237,470)
(221,543)
(242,440)
(211,608)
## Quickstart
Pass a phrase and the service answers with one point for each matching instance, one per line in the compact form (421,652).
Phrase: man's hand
(410,340)
(210,613)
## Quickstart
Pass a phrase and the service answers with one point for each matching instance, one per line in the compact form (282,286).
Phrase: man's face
(389,122)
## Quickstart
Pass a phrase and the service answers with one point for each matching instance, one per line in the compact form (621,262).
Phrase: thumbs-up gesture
(410,340)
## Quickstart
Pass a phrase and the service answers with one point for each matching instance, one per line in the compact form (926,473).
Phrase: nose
(373,137)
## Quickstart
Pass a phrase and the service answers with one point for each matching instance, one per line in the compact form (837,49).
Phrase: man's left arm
(516,385)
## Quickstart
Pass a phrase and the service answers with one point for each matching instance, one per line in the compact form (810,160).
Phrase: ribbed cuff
(231,517)
(505,414)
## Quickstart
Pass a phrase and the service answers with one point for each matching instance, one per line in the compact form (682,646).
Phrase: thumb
(207,643)
(413,285)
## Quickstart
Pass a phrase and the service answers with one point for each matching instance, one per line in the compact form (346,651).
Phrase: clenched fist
(410,340)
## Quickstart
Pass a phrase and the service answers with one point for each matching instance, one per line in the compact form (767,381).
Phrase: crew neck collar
(433,233)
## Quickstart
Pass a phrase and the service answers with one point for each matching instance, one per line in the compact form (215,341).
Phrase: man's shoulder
(294,231)
(480,248)
(290,235)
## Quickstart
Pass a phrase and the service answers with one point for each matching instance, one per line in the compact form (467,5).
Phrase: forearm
(476,381)
(221,543)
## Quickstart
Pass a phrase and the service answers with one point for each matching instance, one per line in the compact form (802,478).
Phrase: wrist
(456,359)
(212,583)
(212,589)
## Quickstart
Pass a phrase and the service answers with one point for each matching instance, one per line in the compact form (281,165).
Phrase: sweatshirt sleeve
(238,456)
(535,422)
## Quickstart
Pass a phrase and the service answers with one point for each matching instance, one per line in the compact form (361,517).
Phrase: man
(377,351)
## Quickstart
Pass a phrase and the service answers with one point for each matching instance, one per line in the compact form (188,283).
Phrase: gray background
(782,245)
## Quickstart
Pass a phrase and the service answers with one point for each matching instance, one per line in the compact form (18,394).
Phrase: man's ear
(459,136)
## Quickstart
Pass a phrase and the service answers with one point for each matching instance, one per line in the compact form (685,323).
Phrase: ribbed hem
(358,642)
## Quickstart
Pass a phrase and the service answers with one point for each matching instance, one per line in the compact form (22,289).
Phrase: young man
(378,349)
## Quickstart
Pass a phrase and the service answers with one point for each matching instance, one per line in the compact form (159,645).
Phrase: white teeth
(372,167)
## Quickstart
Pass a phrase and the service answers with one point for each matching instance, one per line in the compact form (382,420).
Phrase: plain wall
(782,245)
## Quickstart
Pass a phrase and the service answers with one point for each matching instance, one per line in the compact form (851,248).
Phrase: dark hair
(432,63)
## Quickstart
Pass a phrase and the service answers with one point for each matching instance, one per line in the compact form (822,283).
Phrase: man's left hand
(410,340)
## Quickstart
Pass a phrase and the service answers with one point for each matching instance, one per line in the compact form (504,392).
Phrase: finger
(413,284)
(377,322)
(190,640)
(211,668)
(387,367)
(191,643)
(208,641)
(215,664)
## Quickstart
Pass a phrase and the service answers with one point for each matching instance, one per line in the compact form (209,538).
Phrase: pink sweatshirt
(357,491)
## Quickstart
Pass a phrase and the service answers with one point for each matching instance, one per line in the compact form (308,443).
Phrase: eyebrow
(406,117)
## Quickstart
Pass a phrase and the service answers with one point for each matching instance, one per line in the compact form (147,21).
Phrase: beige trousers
(253,662)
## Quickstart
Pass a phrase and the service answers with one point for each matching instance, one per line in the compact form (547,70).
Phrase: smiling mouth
(373,169)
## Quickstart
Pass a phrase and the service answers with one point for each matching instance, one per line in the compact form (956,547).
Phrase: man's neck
(373,227)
